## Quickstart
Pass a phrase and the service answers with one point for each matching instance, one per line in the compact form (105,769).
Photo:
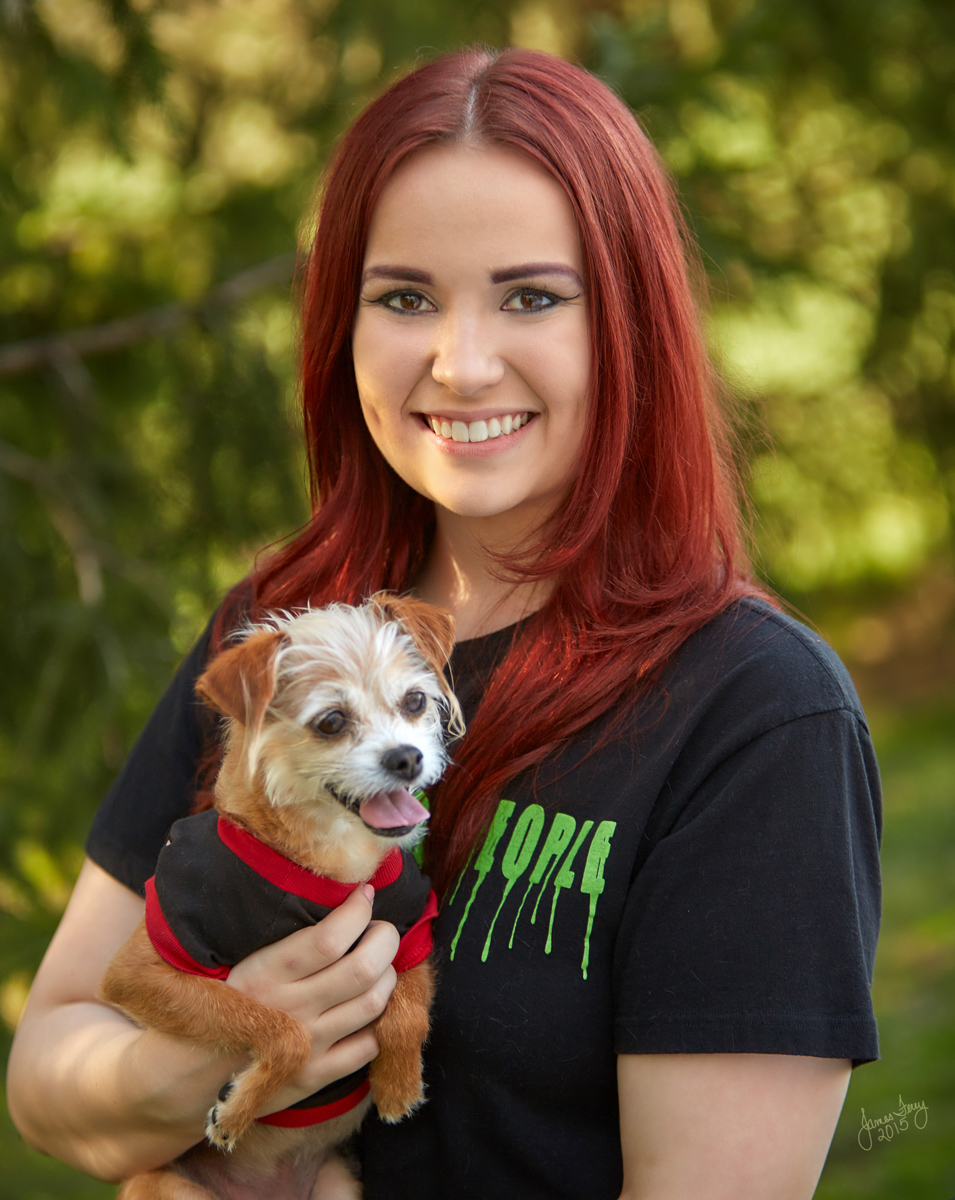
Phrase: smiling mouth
(476,431)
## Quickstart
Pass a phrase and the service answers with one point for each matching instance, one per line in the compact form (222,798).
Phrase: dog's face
(343,712)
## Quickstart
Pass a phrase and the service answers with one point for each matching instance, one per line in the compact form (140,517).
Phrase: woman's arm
(725,1126)
(90,1088)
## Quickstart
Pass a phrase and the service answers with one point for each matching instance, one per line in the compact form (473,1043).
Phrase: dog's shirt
(219,894)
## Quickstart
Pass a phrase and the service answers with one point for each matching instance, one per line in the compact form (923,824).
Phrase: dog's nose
(404,761)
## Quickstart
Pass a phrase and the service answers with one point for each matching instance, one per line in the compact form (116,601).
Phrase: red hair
(646,549)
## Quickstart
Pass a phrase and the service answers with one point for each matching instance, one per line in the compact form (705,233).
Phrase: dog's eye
(414,703)
(329,725)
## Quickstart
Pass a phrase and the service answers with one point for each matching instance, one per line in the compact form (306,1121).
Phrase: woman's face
(471,343)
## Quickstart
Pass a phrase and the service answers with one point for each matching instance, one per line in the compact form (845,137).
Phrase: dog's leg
(163,1185)
(207,1010)
(401,1031)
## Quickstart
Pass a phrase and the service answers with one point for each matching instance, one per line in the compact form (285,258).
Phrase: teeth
(477,431)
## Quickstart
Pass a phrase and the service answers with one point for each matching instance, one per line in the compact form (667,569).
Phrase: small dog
(333,714)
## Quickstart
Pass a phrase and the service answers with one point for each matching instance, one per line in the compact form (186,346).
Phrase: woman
(658,845)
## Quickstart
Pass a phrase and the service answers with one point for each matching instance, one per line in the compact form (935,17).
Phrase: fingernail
(369,892)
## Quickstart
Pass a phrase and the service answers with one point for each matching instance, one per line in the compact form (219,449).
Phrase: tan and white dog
(334,715)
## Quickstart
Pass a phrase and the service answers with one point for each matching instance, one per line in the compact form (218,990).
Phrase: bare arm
(722,1126)
(90,1088)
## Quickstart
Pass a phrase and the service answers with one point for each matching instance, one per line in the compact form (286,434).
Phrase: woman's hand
(336,992)
(88,1087)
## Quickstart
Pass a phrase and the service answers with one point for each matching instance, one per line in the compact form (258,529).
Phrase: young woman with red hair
(657,846)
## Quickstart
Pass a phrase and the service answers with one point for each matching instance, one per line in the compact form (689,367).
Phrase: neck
(461,576)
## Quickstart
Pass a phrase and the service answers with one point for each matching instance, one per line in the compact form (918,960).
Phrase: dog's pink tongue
(389,810)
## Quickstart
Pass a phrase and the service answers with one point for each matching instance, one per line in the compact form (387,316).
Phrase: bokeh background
(156,159)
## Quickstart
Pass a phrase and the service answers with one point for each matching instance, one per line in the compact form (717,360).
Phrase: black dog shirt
(219,894)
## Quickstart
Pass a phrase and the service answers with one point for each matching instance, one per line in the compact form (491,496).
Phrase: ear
(430,628)
(240,682)
(432,631)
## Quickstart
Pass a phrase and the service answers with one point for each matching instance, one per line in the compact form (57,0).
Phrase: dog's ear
(240,682)
(430,628)
(432,631)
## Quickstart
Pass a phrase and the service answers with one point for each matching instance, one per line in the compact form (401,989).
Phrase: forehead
(474,204)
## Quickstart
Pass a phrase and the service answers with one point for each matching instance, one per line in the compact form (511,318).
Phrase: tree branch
(55,349)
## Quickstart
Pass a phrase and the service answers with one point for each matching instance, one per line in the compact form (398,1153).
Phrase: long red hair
(646,548)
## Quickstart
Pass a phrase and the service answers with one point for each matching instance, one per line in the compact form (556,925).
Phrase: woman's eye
(530,300)
(329,724)
(406,302)
(414,703)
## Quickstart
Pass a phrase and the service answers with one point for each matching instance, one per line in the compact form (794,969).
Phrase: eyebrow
(408,274)
(507,275)
(525,270)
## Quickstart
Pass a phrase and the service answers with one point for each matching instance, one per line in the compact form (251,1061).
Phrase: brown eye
(414,703)
(329,725)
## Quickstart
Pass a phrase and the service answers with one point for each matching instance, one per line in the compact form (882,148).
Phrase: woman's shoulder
(753,657)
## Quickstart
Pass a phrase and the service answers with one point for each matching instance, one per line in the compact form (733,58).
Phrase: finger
(352,1014)
(311,949)
(369,957)
(363,980)
(354,972)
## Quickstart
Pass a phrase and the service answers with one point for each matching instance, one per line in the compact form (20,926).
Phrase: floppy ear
(430,628)
(240,682)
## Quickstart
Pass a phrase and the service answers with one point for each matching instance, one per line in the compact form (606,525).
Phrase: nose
(465,360)
(403,761)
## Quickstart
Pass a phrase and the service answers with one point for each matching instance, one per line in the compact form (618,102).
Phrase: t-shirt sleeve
(157,783)
(752,925)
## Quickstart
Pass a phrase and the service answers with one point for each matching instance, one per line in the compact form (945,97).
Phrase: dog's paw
(394,1105)
(216,1135)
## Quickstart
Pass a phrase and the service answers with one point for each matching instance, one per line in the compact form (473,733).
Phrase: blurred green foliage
(812,140)
(156,160)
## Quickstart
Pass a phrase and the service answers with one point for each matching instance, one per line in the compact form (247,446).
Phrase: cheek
(559,373)
(388,365)
(369,373)
(576,363)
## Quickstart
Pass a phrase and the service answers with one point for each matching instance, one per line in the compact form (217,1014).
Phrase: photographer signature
(895,1122)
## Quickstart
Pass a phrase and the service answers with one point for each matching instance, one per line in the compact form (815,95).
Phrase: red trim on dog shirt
(418,942)
(291,877)
(167,944)
(298,1118)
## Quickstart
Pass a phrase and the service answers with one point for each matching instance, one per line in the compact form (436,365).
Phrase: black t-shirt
(707,882)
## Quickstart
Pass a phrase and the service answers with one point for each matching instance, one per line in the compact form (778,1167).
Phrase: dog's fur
(299,790)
